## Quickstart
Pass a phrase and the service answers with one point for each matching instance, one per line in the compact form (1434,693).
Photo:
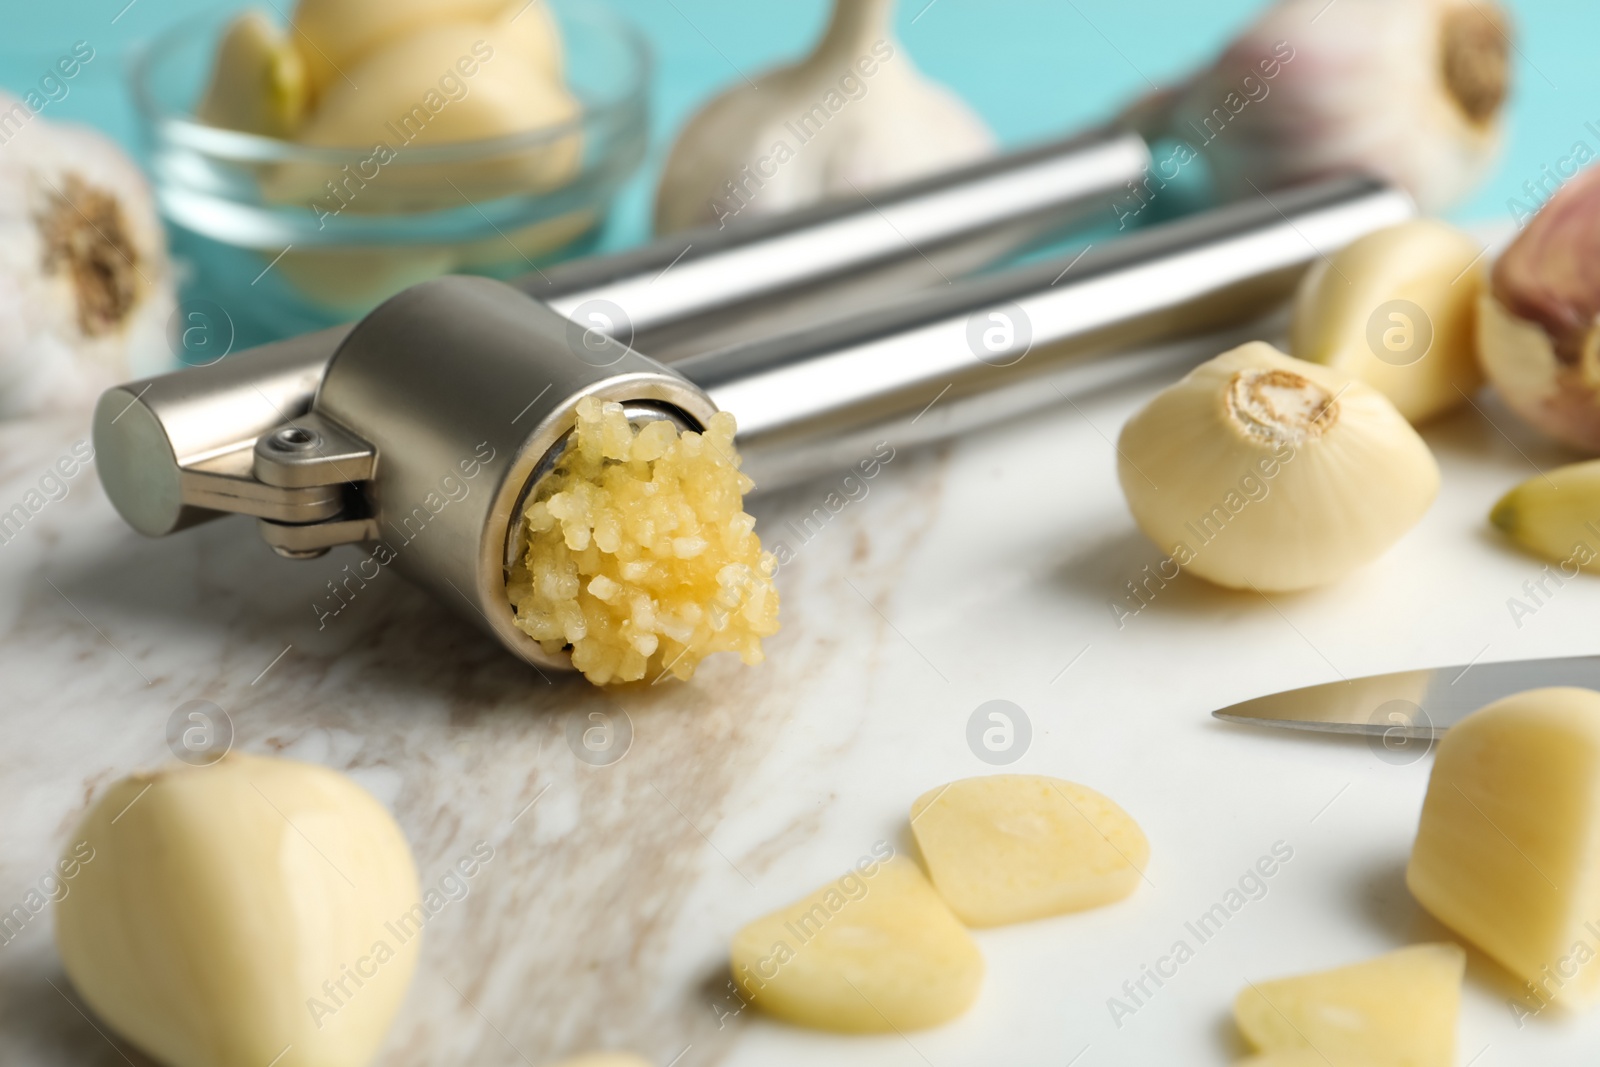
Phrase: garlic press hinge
(314,453)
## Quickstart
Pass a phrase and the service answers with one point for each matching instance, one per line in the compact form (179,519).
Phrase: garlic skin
(1408,90)
(853,116)
(335,36)
(1556,515)
(1539,320)
(224,902)
(259,83)
(1258,471)
(1398,309)
(86,289)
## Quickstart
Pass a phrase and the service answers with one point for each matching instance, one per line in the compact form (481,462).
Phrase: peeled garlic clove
(416,92)
(1397,309)
(1539,321)
(336,36)
(876,951)
(253,911)
(86,288)
(853,116)
(259,83)
(1507,853)
(1398,1010)
(1261,471)
(1556,515)
(1409,90)
(1007,848)
(606,1059)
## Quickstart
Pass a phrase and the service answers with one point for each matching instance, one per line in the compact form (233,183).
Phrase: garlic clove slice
(1008,848)
(1412,91)
(853,116)
(1397,309)
(1556,515)
(1538,335)
(235,911)
(1258,471)
(876,951)
(259,83)
(1396,1010)
(336,36)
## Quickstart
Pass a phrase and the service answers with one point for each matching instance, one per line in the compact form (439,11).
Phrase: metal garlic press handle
(181,448)
(990,348)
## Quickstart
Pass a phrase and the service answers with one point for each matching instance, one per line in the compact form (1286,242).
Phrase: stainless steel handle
(177,450)
(924,368)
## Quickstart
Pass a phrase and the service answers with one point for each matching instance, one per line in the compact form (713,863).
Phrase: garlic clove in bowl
(1398,309)
(1539,319)
(259,83)
(335,36)
(853,116)
(442,85)
(250,911)
(1412,91)
(1258,471)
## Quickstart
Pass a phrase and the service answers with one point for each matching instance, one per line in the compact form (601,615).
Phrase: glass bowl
(281,238)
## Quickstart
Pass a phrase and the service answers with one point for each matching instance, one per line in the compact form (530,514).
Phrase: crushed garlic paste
(640,556)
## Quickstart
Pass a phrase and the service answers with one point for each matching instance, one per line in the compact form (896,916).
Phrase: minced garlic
(640,556)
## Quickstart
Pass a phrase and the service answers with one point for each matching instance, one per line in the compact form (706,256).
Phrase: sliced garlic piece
(1508,850)
(1556,515)
(1412,91)
(259,83)
(1007,848)
(336,36)
(1397,309)
(1539,320)
(1397,1010)
(853,116)
(876,951)
(1265,472)
(252,911)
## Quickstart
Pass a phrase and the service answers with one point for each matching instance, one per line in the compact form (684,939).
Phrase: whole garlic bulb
(1408,90)
(85,285)
(1539,318)
(253,911)
(853,115)
(335,36)
(1397,308)
(1266,472)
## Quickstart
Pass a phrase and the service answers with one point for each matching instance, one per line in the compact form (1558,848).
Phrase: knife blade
(1409,704)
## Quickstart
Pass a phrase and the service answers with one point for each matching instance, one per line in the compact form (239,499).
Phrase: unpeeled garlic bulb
(1398,309)
(337,35)
(86,289)
(259,83)
(253,911)
(854,115)
(1265,472)
(1408,90)
(1539,320)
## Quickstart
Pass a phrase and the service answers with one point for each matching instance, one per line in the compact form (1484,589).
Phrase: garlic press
(426,426)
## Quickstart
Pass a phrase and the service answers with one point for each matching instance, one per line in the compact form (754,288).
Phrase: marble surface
(977,571)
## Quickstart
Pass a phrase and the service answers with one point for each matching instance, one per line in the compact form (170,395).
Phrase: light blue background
(1033,68)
